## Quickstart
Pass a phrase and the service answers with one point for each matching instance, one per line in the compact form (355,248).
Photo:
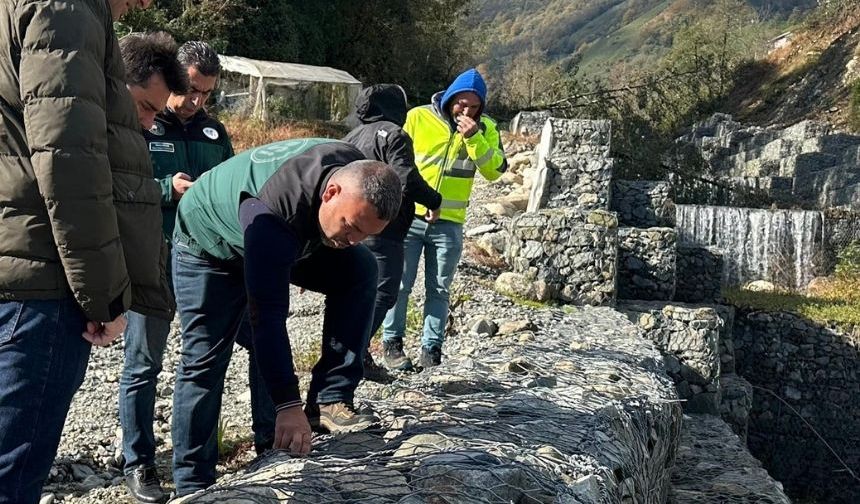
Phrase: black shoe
(374,372)
(430,356)
(394,356)
(144,486)
(338,418)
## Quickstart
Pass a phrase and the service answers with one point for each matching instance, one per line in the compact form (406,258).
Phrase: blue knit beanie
(470,80)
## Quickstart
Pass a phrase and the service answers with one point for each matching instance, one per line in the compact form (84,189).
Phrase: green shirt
(208,214)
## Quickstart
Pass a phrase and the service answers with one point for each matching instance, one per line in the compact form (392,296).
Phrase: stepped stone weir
(785,247)
(808,163)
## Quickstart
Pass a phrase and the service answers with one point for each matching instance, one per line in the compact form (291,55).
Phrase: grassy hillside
(603,35)
(815,75)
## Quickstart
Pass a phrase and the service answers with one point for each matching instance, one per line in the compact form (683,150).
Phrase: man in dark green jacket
(79,221)
(291,212)
(184,142)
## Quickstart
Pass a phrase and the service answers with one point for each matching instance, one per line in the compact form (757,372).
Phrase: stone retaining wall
(714,467)
(564,254)
(643,203)
(580,413)
(529,123)
(689,339)
(646,263)
(699,274)
(841,228)
(573,166)
(815,370)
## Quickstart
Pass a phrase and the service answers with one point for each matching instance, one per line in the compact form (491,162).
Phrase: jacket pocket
(138,208)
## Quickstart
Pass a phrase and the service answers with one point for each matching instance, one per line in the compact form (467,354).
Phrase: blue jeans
(442,244)
(145,339)
(211,301)
(43,360)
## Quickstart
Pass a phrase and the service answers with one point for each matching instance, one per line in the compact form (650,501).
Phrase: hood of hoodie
(470,80)
(380,102)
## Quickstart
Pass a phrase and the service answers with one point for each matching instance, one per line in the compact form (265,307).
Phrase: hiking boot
(374,372)
(338,418)
(430,356)
(143,485)
(394,356)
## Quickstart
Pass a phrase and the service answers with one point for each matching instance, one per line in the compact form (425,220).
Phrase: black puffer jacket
(380,112)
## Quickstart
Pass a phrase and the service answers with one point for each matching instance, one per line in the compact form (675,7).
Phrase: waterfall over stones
(785,247)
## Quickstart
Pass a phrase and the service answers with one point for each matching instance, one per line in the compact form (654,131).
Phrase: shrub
(854,107)
(848,261)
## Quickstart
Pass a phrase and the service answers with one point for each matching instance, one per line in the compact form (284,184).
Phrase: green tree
(420,44)
(530,81)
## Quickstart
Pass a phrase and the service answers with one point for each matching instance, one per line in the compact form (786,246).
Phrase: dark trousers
(145,340)
(43,360)
(389,261)
(211,301)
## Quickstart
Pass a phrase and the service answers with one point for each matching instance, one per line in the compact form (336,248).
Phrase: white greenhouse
(272,89)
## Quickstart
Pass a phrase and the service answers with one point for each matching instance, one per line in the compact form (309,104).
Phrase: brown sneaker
(338,418)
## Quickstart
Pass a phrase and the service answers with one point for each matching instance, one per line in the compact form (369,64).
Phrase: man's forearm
(270,251)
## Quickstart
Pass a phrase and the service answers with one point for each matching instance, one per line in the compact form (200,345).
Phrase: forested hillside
(605,34)
(654,65)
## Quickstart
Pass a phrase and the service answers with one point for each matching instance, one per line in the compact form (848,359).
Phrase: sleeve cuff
(285,395)
(287,405)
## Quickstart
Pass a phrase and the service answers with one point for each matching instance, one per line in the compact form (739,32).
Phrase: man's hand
(103,333)
(466,125)
(432,215)
(292,431)
(181,183)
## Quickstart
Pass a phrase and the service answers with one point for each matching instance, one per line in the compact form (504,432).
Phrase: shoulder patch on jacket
(211,133)
(161,147)
(157,129)
(382,133)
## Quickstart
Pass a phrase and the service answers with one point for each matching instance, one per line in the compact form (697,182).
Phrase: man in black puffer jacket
(380,112)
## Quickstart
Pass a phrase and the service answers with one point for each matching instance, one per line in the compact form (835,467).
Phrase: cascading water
(785,247)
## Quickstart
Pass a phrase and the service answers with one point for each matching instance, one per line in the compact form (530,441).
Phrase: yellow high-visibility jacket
(448,161)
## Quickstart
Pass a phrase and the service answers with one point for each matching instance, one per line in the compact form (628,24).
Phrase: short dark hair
(147,54)
(200,55)
(378,183)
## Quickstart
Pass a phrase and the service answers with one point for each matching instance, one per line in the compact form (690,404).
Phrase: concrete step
(714,466)
(816,185)
(835,143)
(806,163)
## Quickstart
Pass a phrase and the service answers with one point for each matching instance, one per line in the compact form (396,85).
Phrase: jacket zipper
(445,163)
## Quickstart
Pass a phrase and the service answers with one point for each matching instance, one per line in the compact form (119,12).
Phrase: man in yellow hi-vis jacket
(452,141)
